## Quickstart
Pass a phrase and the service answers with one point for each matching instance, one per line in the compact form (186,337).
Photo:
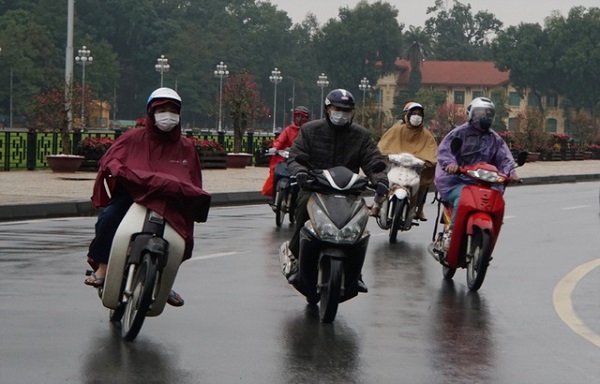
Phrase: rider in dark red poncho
(154,166)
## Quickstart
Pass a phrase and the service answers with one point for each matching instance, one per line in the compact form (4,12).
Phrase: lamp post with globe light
(162,66)
(364,86)
(322,83)
(84,58)
(221,72)
(275,78)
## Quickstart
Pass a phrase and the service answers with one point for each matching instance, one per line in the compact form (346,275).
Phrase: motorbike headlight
(327,230)
(485,175)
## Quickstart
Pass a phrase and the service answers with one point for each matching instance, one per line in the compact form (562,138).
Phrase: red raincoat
(160,170)
(283,141)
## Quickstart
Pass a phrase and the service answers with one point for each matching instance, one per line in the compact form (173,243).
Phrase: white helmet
(166,94)
(482,103)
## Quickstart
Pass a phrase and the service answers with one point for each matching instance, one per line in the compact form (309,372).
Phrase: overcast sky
(412,12)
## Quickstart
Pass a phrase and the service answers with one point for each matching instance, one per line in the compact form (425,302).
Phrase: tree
(576,38)
(447,117)
(243,104)
(349,47)
(52,113)
(460,35)
(528,53)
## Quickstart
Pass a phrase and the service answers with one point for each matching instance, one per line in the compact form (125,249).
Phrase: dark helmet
(302,111)
(340,98)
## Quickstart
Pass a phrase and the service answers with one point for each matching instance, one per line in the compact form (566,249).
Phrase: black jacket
(328,146)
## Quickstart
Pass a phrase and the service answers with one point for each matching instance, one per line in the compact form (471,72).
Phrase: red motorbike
(476,225)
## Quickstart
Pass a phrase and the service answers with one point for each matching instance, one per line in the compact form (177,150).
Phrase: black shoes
(362,287)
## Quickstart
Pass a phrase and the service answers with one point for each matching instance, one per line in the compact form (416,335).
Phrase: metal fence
(21,150)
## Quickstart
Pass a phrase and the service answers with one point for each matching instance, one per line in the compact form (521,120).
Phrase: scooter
(286,191)
(333,243)
(476,226)
(398,210)
(145,256)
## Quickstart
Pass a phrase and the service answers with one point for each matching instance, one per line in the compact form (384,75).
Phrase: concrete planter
(64,163)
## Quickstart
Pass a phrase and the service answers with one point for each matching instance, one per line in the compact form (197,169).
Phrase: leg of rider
(300,216)
(106,227)
(421,197)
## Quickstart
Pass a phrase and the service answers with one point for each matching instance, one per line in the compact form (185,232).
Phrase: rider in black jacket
(329,142)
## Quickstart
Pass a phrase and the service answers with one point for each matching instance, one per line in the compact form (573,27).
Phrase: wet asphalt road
(243,323)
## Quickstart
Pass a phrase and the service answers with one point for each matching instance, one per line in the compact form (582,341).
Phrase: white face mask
(415,120)
(340,118)
(166,121)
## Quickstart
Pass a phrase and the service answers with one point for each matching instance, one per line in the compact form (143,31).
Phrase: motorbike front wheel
(400,214)
(331,270)
(480,259)
(280,197)
(140,299)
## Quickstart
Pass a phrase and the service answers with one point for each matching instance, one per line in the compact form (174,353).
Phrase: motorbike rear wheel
(400,213)
(331,269)
(140,299)
(480,259)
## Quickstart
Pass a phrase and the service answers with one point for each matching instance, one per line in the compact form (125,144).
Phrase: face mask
(483,123)
(166,121)
(416,120)
(340,118)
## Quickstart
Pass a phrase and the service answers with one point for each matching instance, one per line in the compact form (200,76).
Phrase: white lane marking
(576,207)
(564,306)
(215,255)
(509,217)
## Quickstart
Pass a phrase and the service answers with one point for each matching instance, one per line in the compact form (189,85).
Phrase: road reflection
(110,359)
(319,353)
(461,337)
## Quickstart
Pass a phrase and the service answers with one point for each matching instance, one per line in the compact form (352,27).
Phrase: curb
(84,208)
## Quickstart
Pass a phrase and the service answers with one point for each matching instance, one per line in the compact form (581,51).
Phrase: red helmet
(301,115)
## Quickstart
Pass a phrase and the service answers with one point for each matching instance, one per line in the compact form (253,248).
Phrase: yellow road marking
(564,306)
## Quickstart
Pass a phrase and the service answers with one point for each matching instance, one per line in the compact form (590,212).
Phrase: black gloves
(380,192)
(302,179)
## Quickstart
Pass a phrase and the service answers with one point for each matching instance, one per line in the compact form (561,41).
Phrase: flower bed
(212,154)
(92,148)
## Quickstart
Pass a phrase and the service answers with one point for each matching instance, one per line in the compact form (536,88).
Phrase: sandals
(97,282)
(174,299)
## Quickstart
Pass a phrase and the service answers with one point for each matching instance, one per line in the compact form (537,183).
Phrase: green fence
(20,150)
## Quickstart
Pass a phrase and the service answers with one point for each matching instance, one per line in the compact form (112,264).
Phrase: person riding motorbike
(479,143)
(285,140)
(332,141)
(165,166)
(408,135)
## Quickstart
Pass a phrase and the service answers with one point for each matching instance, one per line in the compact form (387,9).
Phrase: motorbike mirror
(455,145)
(522,158)
(379,167)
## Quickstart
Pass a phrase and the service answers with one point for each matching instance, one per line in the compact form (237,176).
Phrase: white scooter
(145,256)
(398,210)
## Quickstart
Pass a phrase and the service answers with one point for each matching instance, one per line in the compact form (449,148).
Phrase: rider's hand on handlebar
(302,179)
(452,168)
(514,178)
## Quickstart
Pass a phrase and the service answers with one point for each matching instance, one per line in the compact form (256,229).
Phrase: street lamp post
(293,97)
(364,86)
(322,83)
(221,72)
(162,66)
(83,59)
(275,78)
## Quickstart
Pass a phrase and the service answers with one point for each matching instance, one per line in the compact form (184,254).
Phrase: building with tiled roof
(462,81)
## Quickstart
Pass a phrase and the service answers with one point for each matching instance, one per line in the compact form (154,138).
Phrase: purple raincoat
(477,146)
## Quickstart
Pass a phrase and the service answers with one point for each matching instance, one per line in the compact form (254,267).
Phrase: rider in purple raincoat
(479,144)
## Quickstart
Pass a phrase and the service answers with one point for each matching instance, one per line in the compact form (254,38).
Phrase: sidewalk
(40,194)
